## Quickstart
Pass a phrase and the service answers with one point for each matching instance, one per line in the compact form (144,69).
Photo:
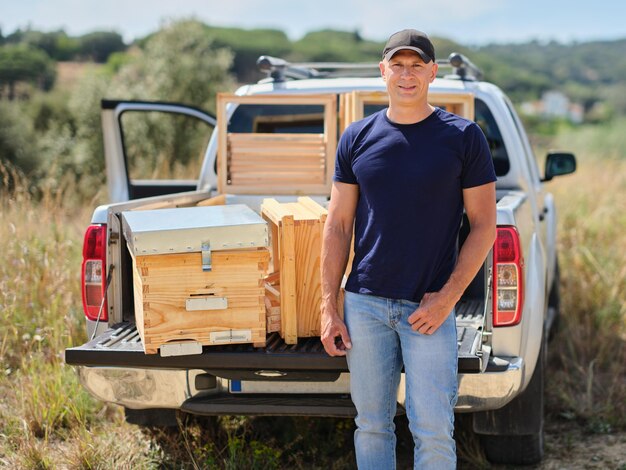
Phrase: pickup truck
(503,320)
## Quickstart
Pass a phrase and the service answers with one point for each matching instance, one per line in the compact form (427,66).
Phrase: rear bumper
(492,389)
(195,391)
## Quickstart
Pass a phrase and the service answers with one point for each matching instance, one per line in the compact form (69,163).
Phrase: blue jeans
(382,341)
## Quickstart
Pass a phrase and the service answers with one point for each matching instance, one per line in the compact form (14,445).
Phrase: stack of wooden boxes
(198,276)
(293,290)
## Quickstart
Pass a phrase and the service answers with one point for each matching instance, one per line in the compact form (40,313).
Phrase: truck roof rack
(462,67)
(279,70)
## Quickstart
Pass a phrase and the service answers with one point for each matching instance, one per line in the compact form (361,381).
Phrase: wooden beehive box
(198,276)
(296,234)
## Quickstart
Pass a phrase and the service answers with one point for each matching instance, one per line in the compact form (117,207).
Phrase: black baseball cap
(410,39)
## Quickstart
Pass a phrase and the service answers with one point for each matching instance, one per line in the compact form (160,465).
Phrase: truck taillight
(94,272)
(508,286)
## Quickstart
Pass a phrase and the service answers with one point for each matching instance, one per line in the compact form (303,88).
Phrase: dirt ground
(569,447)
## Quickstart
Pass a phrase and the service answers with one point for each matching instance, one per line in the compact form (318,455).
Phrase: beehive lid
(189,229)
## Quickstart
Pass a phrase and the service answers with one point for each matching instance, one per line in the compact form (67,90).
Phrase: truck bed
(120,346)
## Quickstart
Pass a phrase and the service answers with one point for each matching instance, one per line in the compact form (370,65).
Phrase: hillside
(587,72)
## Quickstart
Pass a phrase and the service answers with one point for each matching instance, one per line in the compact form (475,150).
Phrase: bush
(18,145)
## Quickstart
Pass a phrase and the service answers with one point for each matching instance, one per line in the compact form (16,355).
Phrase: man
(402,178)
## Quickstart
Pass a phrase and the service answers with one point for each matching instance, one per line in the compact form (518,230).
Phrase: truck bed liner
(120,346)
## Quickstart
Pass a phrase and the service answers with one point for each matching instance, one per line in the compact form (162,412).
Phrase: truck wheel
(513,434)
(514,450)
(152,417)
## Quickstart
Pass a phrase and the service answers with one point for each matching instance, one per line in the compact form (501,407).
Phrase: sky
(469,22)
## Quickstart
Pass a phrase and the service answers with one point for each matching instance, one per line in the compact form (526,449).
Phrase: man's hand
(431,313)
(335,336)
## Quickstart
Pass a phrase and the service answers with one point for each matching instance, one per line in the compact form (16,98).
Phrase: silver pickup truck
(503,320)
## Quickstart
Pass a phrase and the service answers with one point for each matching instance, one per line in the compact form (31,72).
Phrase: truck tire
(152,417)
(514,450)
(513,434)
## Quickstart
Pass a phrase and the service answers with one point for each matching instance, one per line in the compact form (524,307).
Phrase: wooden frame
(461,104)
(265,163)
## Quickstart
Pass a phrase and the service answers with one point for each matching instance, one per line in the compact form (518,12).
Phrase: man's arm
(480,206)
(335,251)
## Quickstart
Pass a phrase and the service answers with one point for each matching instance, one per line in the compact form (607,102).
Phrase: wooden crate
(460,103)
(175,300)
(296,230)
(276,163)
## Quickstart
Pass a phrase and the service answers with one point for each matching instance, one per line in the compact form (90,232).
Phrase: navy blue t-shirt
(410,207)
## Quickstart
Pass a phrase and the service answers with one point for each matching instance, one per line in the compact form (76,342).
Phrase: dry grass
(588,362)
(40,316)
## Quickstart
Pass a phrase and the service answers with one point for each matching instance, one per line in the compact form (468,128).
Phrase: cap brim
(421,53)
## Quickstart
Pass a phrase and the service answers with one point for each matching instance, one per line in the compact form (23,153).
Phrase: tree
(57,44)
(247,45)
(336,46)
(179,63)
(22,63)
(98,45)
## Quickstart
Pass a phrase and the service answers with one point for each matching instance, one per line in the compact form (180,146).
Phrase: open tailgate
(121,346)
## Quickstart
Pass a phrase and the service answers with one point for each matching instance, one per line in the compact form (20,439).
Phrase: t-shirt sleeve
(478,165)
(343,161)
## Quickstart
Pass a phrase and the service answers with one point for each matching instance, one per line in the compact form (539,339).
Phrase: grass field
(48,421)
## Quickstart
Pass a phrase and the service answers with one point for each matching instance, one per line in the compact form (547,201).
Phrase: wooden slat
(308,250)
(250,139)
(285,188)
(312,99)
(330,132)
(273,180)
(313,206)
(272,209)
(272,291)
(218,200)
(267,152)
(304,171)
(285,177)
(277,164)
(277,160)
(289,323)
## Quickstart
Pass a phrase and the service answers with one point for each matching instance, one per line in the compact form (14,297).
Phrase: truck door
(153,148)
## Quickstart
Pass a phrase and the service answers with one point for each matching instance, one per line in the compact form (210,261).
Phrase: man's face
(407,76)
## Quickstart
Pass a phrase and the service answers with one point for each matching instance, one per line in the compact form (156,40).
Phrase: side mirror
(559,163)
